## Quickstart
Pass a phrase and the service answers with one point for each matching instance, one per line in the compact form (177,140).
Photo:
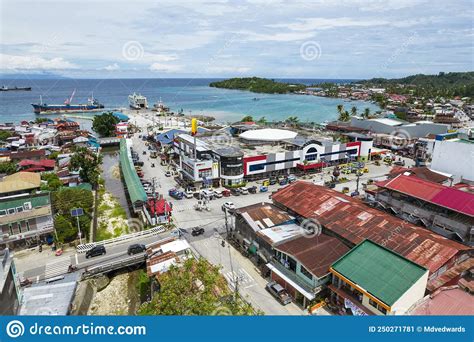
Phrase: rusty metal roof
(264,215)
(352,220)
(316,253)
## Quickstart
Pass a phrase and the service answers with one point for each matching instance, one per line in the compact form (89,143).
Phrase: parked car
(176,194)
(225,193)
(263,188)
(277,291)
(273,180)
(291,178)
(95,251)
(283,181)
(244,191)
(135,249)
(217,193)
(266,182)
(168,174)
(253,189)
(197,231)
(144,153)
(235,192)
(208,194)
(188,194)
(229,206)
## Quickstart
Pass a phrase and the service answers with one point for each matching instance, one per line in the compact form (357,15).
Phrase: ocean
(193,96)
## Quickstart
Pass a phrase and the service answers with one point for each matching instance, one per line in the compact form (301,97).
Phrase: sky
(222,38)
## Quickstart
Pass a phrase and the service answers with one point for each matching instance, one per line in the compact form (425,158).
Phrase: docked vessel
(5,88)
(137,101)
(44,108)
(160,107)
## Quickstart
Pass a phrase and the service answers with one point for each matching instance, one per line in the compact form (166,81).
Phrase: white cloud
(276,37)
(12,62)
(225,69)
(150,57)
(112,67)
(161,67)
(311,24)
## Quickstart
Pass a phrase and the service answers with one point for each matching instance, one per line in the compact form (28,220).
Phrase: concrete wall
(411,296)
(455,157)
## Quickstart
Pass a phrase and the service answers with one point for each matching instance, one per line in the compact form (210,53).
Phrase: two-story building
(373,280)
(301,265)
(25,212)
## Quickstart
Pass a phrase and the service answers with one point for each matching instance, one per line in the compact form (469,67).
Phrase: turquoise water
(191,95)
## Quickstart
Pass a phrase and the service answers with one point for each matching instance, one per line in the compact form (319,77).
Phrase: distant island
(258,85)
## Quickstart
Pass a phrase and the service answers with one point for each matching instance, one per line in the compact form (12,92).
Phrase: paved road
(54,266)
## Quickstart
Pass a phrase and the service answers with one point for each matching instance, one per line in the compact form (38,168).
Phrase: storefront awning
(297,287)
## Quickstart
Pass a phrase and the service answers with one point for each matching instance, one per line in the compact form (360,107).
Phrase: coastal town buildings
(9,288)
(373,280)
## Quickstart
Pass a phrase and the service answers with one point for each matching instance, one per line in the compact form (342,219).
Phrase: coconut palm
(366,113)
(354,111)
(340,109)
(344,116)
(292,120)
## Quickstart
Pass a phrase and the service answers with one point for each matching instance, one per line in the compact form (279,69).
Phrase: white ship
(137,101)
(160,107)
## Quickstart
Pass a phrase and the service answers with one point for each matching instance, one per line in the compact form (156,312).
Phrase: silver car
(278,292)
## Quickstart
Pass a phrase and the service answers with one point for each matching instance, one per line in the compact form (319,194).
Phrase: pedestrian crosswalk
(57,267)
(241,276)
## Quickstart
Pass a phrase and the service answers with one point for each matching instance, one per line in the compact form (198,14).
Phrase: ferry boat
(43,108)
(137,101)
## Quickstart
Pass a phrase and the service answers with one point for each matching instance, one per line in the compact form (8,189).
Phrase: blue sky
(219,38)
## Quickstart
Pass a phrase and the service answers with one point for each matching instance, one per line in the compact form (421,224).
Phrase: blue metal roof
(121,116)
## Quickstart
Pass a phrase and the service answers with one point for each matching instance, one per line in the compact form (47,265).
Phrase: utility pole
(154,200)
(236,277)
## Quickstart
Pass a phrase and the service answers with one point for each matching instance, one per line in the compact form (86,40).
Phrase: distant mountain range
(32,76)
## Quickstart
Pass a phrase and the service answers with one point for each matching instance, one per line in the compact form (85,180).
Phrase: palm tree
(293,121)
(262,121)
(366,113)
(344,116)
(354,111)
(340,109)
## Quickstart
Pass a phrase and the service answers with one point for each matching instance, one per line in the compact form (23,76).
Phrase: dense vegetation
(258,85)
(88,164)
(8,167)
(104,124)
(196,288)
(444,84)
(63,201)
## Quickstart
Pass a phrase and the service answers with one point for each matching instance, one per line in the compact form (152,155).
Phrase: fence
(149,232)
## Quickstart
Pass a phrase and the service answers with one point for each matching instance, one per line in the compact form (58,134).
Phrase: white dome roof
(268,134)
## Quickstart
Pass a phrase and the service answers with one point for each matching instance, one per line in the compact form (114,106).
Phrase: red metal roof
(352,220)
(444,196)
(46,163)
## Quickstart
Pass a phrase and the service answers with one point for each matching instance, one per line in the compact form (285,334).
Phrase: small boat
(160,107)
(91,105)
(5,88)
(137,101)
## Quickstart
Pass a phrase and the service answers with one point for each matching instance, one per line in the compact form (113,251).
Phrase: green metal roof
(132,181)
(379,271)
(36,201)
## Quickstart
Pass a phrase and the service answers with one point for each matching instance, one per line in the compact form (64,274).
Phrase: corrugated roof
(20,181)
(420,172)
(379,271)
(452,198)
(315,253)
(264,215)
(354,221)
(134,186)
(450,301)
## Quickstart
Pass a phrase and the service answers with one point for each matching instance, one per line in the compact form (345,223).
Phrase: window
(306,273)
(377,306)
(28,225)
(205,173)
(291,263)
(3,212)
(19,209)
(11,211)
(256,167)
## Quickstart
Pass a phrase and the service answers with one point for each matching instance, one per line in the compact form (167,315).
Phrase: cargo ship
(43,108)
(5,88)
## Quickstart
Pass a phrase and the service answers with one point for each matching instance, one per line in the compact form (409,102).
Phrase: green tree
(65,230)
(195,288)
(354,111)
(4,135)
(247,118)
(366,113)
(262,121)
(340,109)
(53,182)
(88,164)
(8,167)
(104,124)
(293,121)
(344,116)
